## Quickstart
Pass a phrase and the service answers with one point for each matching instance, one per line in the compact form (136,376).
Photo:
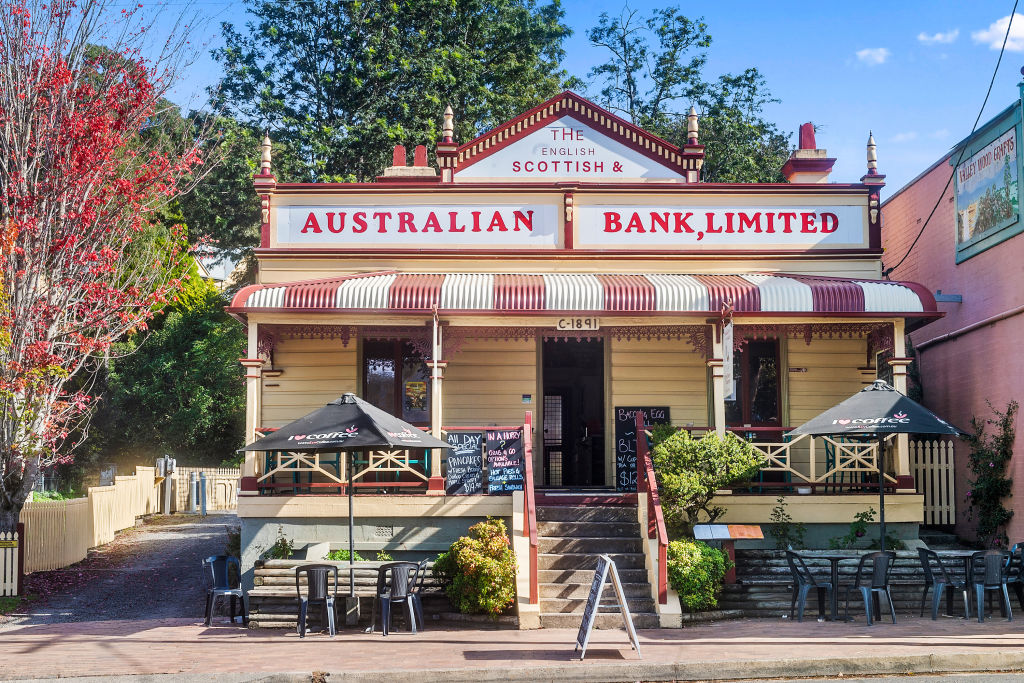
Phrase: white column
(435,486)
(717,381)
(899,363)
(253,365)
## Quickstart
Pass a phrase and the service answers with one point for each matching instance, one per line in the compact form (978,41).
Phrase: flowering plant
(987,461)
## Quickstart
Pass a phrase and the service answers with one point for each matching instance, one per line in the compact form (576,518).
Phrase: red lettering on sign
(787,217)
(681,223)
(311,224)
(380,216)
(431,222)
(808,223)
(525,219)
(497,221)
(359,219)
(659,220)
(829,217)
(405,222)
(612,221)
(711,229)
(635,223)
(452,220)
(750,221)
(330,222)
(476,221)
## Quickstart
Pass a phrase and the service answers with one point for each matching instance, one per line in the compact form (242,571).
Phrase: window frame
(745,378)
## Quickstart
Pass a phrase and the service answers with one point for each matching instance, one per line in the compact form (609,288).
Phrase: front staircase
(571,534)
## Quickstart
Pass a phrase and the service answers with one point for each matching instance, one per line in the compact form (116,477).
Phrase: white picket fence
(9,563)
(931,464)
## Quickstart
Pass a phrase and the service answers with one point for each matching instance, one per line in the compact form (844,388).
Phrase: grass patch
(10,604)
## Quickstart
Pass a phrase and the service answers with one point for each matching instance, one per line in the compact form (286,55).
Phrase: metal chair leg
(866,593)
(1006,601)
(410,612)
(980,594)
(303,605)
(209,608)
(892,607)
(385,615)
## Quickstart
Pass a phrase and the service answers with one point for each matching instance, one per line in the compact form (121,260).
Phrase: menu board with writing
(505,460)
(464,474)
(625,441)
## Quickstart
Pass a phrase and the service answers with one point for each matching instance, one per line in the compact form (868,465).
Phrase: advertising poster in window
(986,189)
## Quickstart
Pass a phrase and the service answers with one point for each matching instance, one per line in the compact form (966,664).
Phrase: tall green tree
(655,69)
(344,81)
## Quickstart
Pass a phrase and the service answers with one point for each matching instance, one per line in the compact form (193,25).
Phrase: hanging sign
(625,441)
(505,471)
(590,610)
(464,473)
(728,377)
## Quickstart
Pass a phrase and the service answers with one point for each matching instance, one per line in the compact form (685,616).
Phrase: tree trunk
(16,490)
(9,512)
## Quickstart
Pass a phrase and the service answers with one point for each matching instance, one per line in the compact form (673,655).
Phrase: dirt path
(150,572)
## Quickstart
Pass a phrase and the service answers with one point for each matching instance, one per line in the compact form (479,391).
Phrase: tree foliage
(989,486)
(689,471)
(656,66)
(344,81)
(81,262)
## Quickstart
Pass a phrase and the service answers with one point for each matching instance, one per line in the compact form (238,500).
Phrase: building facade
(972,253)
(570,266)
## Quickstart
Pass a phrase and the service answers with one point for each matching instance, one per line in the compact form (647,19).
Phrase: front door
(574,413)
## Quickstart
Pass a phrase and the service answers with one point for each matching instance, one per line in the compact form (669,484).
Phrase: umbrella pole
(351,532)
(881,490)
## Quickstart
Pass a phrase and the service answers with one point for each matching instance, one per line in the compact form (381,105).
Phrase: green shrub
(282,548)
(342,556)
(479,570)
(859,529)
(689,471)
(384,556)
(696,571)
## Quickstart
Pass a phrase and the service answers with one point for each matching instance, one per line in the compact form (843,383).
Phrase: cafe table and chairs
(834,559)
(803,583)
(1015,572)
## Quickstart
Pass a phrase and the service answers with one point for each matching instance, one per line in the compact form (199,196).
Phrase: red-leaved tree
(83,260)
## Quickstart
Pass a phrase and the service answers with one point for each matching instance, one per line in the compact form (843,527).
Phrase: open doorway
(574,413)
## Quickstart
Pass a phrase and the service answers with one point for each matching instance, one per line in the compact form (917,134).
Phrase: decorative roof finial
(691,126)
(872,155)
(448,129)
(265,154)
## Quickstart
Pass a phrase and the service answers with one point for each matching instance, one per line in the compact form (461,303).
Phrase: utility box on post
(165,467)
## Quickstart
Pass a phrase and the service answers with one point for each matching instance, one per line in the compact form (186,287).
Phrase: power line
(963,148)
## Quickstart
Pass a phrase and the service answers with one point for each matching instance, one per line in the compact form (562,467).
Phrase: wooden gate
(931,464)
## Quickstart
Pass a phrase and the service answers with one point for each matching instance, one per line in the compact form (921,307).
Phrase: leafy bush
(479,570)
(342,556)
(696,571)
(282,548)
(38,496)
(783,529)
(987,461)
(689,471)
(384,556)
(859,529)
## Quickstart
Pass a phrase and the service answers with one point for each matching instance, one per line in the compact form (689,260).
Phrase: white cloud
(873,55)
(905,137)
(935,38)
(993,35)
(941,134)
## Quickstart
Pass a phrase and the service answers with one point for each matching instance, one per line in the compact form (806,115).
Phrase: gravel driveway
(151,572)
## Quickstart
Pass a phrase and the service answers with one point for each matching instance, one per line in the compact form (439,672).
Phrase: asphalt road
(153,571)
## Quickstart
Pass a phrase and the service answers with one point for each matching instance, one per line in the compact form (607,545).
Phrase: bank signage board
(567,148)
(699,228)
(481,226)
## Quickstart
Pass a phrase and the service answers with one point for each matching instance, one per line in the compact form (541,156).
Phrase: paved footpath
(742,649)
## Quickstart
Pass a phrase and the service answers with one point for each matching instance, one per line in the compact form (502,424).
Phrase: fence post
(202,493)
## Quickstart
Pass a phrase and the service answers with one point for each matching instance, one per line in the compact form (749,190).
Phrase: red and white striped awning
(398,292)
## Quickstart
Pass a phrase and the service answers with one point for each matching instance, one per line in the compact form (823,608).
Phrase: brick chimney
(418,171)
(808,164)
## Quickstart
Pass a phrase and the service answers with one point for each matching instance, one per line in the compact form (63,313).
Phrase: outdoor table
(834,560)
(965,556)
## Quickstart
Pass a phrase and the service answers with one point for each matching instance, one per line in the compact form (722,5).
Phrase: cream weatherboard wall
(485,382)
(316,371)
(660,373)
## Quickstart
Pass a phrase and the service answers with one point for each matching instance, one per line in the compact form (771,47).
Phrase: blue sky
(914,72)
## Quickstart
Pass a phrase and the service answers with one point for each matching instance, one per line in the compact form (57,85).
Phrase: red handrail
(647,483)
(530,505)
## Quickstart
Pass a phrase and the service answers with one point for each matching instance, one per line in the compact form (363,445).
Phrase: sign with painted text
(505,469)
(470,226)
(578,324)
(719,228)
(986,188)
(567,148)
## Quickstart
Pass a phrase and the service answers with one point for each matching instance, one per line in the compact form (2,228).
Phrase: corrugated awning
(398,292)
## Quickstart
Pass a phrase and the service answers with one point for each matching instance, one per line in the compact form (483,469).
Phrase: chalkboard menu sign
(625,441)
(505,460)
(464,475)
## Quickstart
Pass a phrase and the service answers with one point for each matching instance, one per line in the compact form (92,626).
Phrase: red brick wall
(985,365)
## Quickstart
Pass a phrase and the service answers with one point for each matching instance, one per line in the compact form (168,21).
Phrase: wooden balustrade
(854,458)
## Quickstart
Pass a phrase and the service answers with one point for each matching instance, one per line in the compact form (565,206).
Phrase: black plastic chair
(316,593)
(803,582)
(873,582)
(941,582)
(396,583)
(221,583)
(988,573)
(1015,572)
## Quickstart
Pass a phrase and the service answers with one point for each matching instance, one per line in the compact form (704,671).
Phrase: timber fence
(59,533)
(221,487)
(931,464)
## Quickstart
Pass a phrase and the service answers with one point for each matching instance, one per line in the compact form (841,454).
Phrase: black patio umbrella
(877,411)
(346,424)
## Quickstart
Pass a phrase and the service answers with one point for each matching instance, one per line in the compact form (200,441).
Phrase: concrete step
(588,561)
(575,606)
(601,621)
(596,546)
(585,576)
(592,513)
(590,529)
(582,590)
